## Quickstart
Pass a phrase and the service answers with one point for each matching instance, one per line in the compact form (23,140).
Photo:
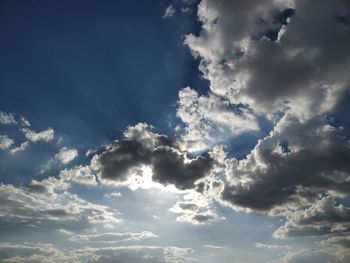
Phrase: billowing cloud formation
(46,135)
(271,54)
(295,162)
(140,146)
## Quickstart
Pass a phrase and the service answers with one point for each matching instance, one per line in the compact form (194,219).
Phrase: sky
(175,131)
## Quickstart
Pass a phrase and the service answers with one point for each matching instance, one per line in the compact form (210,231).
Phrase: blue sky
(174,131)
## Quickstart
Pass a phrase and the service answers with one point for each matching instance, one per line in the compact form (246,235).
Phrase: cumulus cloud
(66,155)
(296,162)
(323,217)
(140,146)
(273,54)
(79,174)
(196,207)
(5,142)
(46,135)
(191,213)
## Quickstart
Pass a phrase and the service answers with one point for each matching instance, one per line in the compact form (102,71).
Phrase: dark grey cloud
(316,161)
(204,218)
(188,206)
(324,217)
(197,212)
(139,146)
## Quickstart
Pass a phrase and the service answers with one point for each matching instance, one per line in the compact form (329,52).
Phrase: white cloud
(108,238)
(49,202)
(66,155)
(10,118)
(7,118)
(211,119)
(20,148)
(169,12)
(301,69)
(34,253)
(46,135)
(114,194)
(79,174)
(135,254)
(5,142)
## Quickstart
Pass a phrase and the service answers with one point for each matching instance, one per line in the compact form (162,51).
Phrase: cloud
(10,118)
(271,246)
(114,194)
(79,174)
(44,252)
(211,119)
(46,135)
(7,118)
(309,255)
(196,208)
(47,202)
(5,142)
(135,254)
(21,148)
(191,213)
(140,146)
(66,155)
(292,165)
(340,245)
(169,12)
(271,54)
(33,253)
(322,218)
(105,238)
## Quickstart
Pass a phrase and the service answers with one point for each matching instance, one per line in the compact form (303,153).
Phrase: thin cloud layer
(48,202)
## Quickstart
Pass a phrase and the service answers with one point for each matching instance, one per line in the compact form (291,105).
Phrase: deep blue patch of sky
(89,68)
